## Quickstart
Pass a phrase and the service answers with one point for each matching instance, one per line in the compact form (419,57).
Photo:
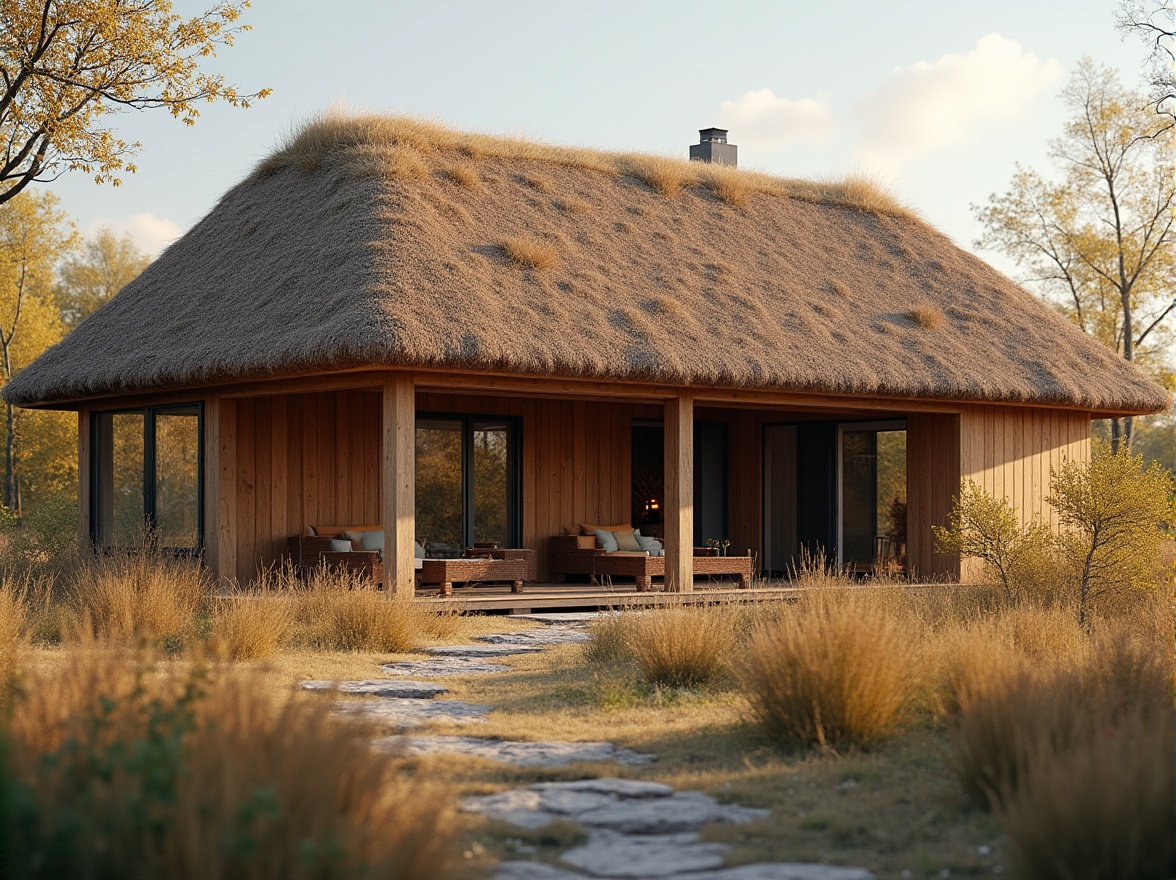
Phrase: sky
(936,100)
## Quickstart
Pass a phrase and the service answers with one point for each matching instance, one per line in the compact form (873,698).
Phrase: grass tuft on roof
(359,141)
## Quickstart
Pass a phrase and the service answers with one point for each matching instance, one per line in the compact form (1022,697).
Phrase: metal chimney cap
(712,135)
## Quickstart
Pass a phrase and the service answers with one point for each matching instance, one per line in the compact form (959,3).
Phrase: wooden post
(399,483)
(84,479)
(679,504)
(220,487)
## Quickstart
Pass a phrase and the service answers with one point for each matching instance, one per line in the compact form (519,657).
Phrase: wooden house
(468,339)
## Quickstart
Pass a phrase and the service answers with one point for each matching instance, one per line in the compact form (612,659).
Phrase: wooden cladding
(313,459)
(278,464)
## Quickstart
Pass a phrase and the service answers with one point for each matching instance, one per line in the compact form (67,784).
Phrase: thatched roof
(369,241)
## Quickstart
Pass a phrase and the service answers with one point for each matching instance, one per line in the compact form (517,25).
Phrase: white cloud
(931,106)
(764,121)
(151,233)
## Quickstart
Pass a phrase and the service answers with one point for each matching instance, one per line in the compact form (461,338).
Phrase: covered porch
(764,474)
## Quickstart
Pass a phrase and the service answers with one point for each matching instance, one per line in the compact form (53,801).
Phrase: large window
(146,474)
(467,483)
(872,477)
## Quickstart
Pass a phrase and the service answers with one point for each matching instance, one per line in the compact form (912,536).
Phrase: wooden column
(399,483)
(84,479)
(220,487)
(679,503)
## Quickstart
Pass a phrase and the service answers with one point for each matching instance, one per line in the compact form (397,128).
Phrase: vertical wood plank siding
(298,460)
(309,459)
(1010,451)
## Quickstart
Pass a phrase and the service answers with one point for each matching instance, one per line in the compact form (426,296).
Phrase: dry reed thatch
(343,250)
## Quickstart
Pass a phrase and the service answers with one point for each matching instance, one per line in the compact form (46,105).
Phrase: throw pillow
(418,550)
(373,540)
(588,529)
(626,540)
(646,543)
(606,540)
(340,545)
(356,539)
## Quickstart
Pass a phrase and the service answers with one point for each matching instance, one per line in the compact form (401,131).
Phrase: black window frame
(150,512)
(514,471)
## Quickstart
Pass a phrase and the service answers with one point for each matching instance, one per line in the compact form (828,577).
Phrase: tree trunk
(10,460)
(1116,434)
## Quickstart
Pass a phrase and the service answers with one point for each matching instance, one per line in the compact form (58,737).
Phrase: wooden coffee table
(447,572)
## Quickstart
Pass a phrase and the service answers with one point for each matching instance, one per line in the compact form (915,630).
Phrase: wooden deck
(497,598)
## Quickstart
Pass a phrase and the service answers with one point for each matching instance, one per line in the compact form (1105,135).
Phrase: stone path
(414,713)
(381,687)
(479,651)
(443,667)
(557,618)
(635,829)
(521,754)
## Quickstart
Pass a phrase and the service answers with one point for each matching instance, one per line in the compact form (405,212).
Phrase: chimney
(712,146)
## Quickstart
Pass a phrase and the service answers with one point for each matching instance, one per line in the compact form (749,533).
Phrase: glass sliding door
(146,475)
(467,483)
(872,490)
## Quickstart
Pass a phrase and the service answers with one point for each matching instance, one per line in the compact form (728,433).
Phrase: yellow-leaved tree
(102,266)
(67,65)
(1099,239)
(34,234)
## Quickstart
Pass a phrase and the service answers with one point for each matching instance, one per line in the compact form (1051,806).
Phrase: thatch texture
(387,241)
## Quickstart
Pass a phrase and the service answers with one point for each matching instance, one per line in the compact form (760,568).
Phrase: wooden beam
(399,483)
(84,479)
(220,504)
(679,503)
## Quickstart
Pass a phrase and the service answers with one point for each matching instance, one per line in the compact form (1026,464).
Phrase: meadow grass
(116,765)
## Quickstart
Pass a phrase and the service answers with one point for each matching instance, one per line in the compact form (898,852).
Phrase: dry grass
(662,174)
(336,135)
(463,175)
(357,618)
(835,672)
(250,626)
(119,769)
(727,184)
(541,184)
(1013,714)
(610,640)
(927,316)
(682,646)
(529,252)
(126,597)
(1102,808)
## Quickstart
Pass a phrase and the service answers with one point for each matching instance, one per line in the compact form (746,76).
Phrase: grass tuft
(250,627)
(662,174)
(573,205)
(727,185)
(531,253)
(681,646)
(463,175)
(835,672)
(927,316)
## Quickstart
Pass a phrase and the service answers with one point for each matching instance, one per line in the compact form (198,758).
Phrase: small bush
(531,253)
(355,617)
(834,672)
(1114,515)
(250,627)
(682,646)
(142,594)
(115,768)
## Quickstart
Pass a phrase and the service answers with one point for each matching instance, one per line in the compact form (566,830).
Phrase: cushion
(650,544)
(606,540)
(640,553)
(373,540)
(626,540)
(340,545)
(354,536)
(592,530)
(418,550)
